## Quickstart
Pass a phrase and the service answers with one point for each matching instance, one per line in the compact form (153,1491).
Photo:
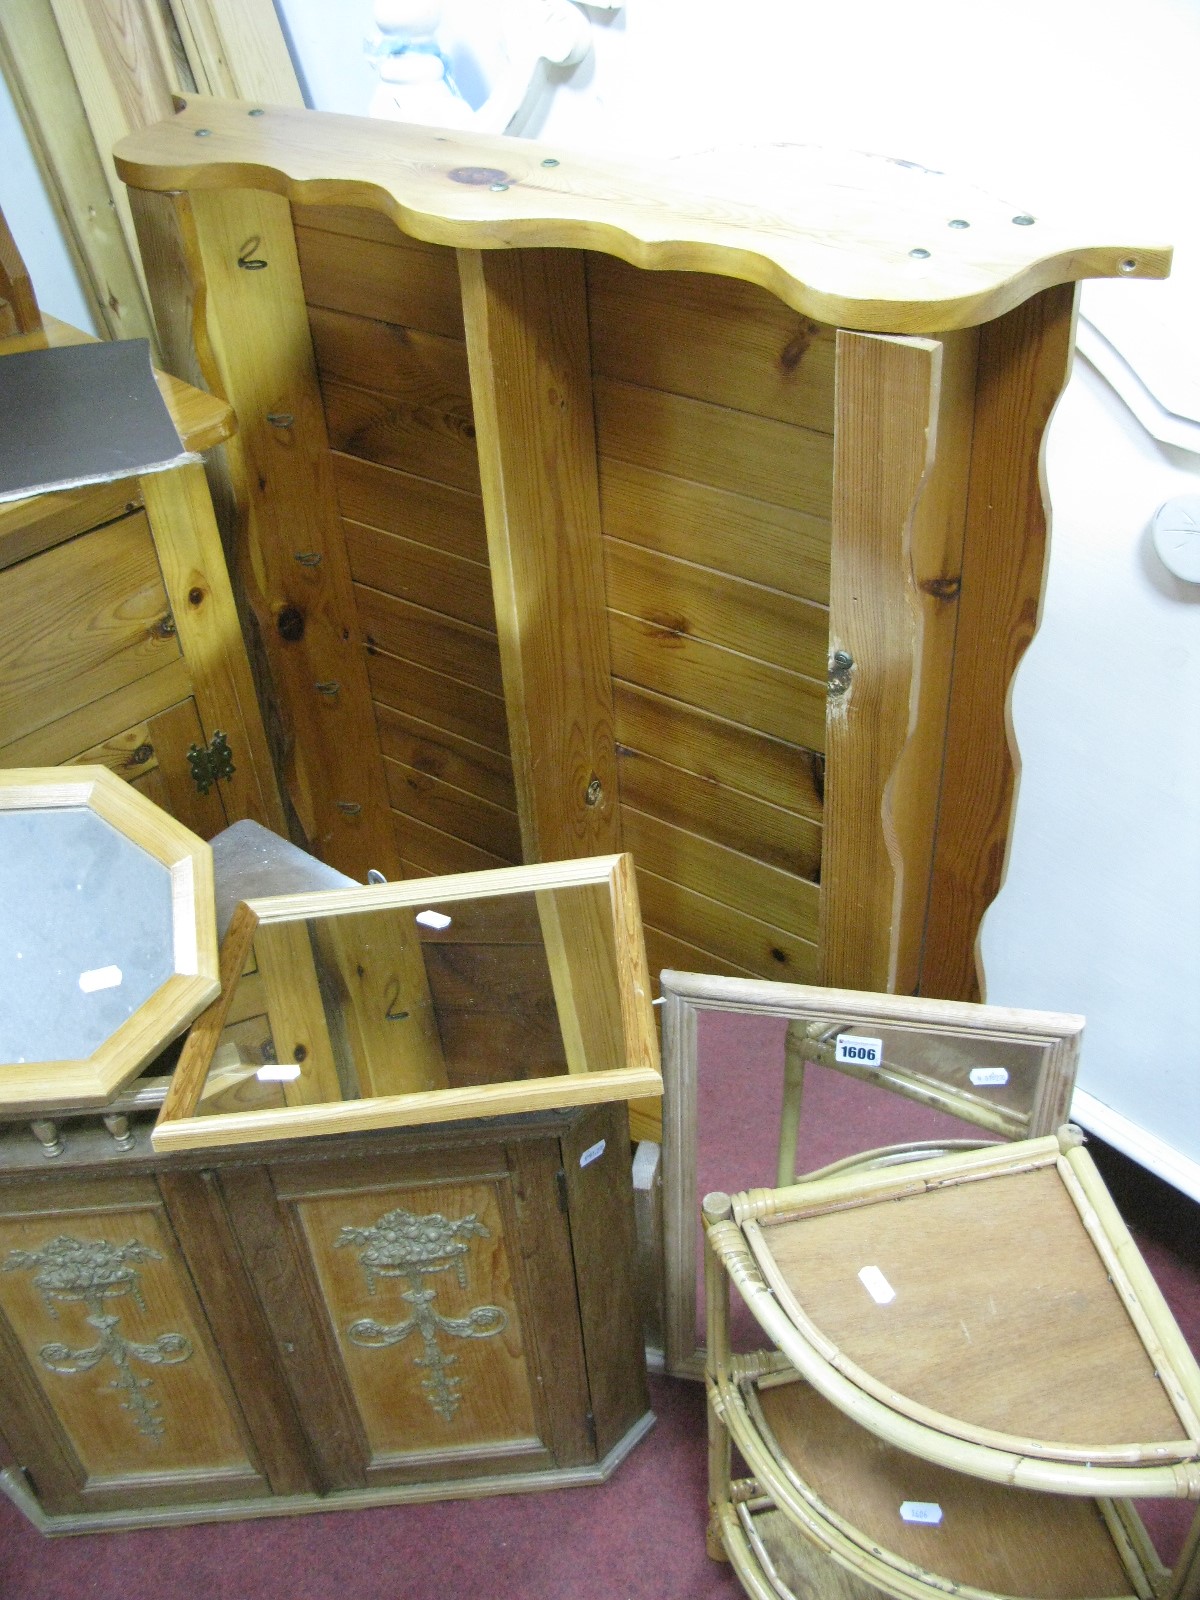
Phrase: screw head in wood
(1024,220)
(594,793)
(204,133)
(919,254)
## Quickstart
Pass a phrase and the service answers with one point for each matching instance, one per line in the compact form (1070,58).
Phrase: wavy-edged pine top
(859,241)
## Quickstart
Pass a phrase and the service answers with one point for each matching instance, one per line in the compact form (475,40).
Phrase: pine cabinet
(691,508)
(119,641)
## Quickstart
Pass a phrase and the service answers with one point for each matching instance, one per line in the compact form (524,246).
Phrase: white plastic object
(415,81)
(1176,534)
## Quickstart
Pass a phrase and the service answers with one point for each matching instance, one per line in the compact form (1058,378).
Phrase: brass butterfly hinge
(210,763)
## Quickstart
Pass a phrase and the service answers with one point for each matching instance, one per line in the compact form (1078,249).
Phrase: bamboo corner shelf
(687,508)
(972,1374)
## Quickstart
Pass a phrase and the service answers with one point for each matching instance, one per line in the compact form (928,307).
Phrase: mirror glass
(931,1085)
(404,999)
(86,932)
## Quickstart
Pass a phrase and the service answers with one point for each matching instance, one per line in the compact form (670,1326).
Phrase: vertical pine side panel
(249,328)
(884,441)
(1024,363)
(527,345)
(936,540)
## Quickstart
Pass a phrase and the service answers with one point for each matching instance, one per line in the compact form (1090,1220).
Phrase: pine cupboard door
(117,1395)
(424,1310)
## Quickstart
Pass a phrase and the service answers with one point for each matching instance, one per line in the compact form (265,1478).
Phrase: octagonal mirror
(108,945)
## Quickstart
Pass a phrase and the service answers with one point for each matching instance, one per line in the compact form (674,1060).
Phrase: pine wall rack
(691,508)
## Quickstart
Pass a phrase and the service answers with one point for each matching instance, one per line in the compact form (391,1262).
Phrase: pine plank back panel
(714,418)
(386,319)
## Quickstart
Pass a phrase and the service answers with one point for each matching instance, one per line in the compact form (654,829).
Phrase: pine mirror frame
(37,1087)
(686,995)
(179,1128)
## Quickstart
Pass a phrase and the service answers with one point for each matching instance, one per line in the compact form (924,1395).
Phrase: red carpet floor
(638,1537)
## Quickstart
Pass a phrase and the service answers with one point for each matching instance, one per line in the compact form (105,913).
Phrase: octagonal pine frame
(30,1088)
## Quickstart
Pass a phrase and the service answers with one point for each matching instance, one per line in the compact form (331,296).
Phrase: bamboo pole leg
(789,1116)
(716,1287)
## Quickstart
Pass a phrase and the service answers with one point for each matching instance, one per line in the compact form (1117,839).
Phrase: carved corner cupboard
(691,509)
(119,638)
(357,1320)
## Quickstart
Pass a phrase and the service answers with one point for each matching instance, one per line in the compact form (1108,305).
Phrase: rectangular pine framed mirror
(478,995)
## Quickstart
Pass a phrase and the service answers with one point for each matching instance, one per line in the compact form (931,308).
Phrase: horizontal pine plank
(760,696)
(433,852)
(720,751)
(362,222)
(415,285)
(429,640)
(481,772)
(417,508)
(79,622)
(704,604)
(711,338)
(768,833)
(718,528)
(749,944)
(453,811)
(769,460)
(398,361)
(444,703)
(666,953)
(432,440)
(457,588)
(736,880)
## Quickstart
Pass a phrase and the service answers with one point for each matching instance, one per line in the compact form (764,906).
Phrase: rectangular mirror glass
(766,1083)
(484,994)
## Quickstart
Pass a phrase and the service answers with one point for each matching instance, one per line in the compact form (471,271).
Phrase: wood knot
(794,350)
(942,588)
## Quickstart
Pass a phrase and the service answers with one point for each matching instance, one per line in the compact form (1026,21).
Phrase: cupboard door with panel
(430,1307)
(117,1395)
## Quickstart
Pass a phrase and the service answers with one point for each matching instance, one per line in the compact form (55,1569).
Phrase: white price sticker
(989,1077)
(855,1050)
(876,1285)
(433,919)
(592,1153)
(100,978)
(926,1511)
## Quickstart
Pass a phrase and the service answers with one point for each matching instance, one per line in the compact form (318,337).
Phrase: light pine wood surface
(850,262)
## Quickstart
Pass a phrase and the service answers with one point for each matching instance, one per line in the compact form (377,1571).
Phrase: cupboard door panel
(80,621)
(417,1284)
(414,1312)
(98,1299)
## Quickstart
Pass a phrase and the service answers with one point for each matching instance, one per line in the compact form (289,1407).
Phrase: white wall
(34,225)
(1052,103)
